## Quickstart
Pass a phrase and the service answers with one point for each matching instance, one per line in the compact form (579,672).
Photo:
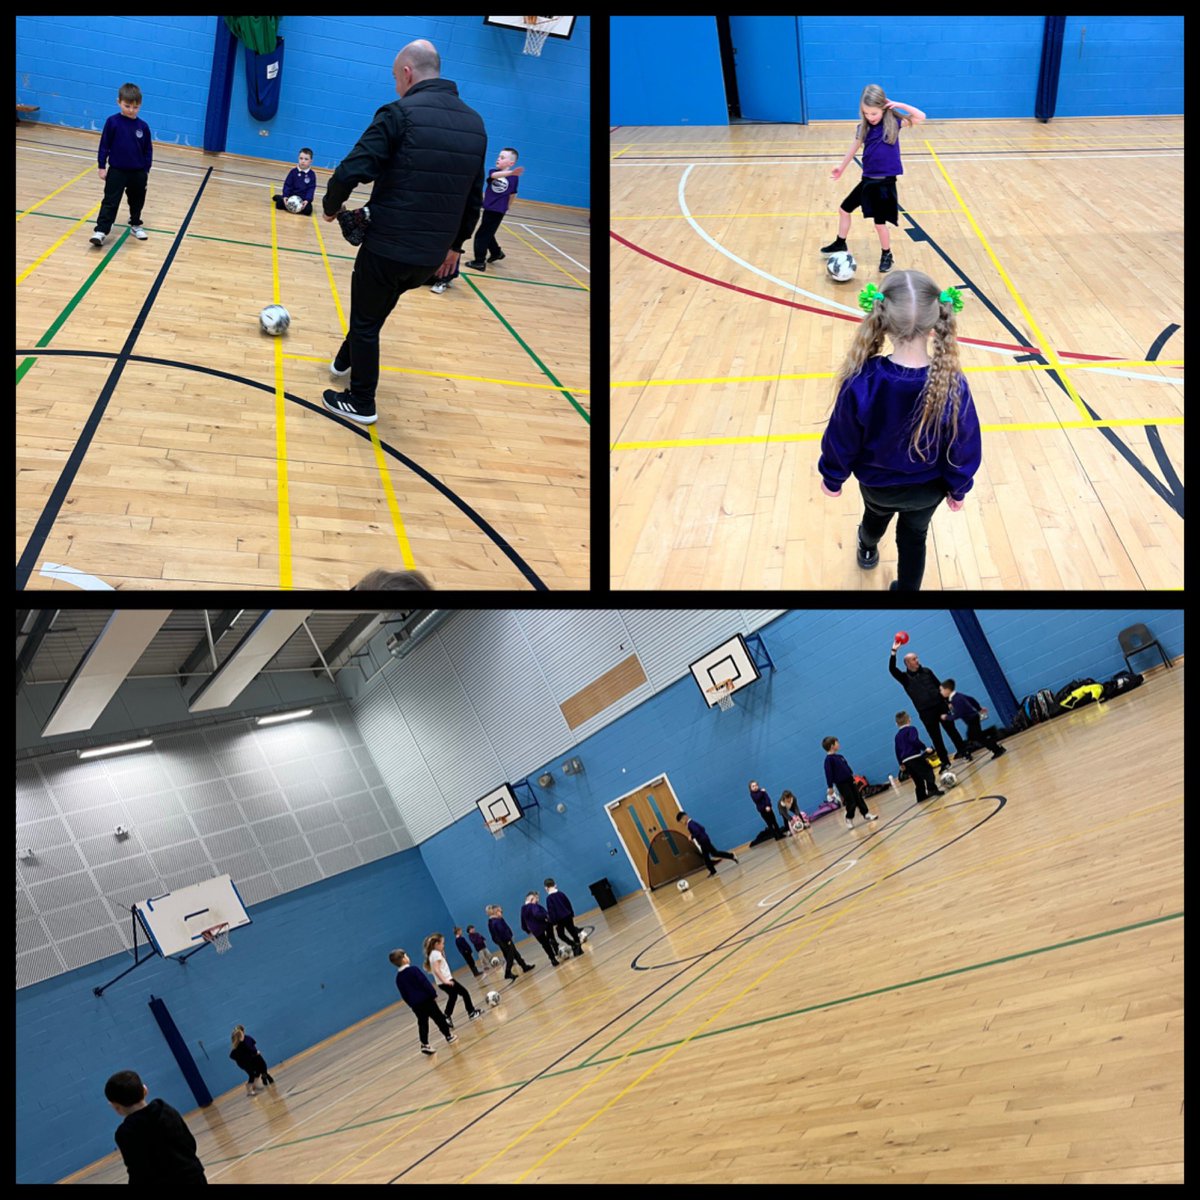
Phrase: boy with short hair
(502,935)
(562,914)
(413,985)
(708,851)
(154,1139)
(838,775)
(535,920)
(479,946)
(910,754)
(301,181)
(968,710)
(498,192)
(125,154)
(464,948)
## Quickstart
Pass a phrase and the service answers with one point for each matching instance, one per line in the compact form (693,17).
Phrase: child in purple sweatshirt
(838,775)
(124,156)
(562,915)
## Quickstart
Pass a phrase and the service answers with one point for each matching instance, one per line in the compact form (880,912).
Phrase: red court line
(826,312)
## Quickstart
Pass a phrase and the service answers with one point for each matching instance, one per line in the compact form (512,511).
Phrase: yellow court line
(281,488)
(783,931)
(389,492)
(22,215)
(630,147)
(832,212)
(765,439)
(551,261)
(87,216)
(1083,366)
(550,387)
(1042,341)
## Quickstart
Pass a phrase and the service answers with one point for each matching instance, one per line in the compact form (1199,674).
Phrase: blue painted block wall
(666,71)
(337,73)
(1033,656)
(958,67)
(1118,66)
(313,962)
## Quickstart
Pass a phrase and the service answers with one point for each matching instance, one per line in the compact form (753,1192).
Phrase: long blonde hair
(873,96)
(431,941)
(239,1032)
(910,308)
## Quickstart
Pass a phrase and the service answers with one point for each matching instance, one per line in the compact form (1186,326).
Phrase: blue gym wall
(313,962)
(1033,656)
(666,71)
(336,74)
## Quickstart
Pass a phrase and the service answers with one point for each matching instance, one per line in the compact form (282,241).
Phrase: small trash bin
(603,893)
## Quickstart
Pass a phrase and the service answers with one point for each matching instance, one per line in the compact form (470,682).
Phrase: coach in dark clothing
(425,154)
(924,690)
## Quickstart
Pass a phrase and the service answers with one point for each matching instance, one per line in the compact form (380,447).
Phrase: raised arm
(915,115)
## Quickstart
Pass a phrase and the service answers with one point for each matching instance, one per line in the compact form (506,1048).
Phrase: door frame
(611,804)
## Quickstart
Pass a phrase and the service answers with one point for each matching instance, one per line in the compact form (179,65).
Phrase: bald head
(417,61)
(911,661)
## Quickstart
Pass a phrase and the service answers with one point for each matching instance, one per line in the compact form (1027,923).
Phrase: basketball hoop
(218,937)
(724,694)
(496,829)
(537,29)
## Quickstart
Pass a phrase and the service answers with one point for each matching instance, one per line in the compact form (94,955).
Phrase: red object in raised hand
(901,638)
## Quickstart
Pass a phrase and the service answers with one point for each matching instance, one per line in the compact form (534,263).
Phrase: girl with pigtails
(904,425)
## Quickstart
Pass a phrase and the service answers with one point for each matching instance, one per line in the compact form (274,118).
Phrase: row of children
(126,155)
(543,923)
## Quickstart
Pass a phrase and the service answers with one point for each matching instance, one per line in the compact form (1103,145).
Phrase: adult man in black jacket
(426,155)
(923,688)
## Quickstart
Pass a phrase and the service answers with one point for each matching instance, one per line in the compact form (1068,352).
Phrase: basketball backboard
(175,921)
(500,806)
(730,661)
(561,28)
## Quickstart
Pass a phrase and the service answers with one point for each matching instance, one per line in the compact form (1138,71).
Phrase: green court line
(568,287)
(893,987)
(57,324)
(528,350)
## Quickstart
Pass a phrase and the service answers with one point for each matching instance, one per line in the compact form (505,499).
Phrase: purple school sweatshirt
(869,431)
(878,158)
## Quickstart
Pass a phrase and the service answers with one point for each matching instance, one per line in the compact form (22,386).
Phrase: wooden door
(639,817)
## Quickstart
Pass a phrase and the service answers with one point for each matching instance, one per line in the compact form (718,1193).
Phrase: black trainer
(837,244)
(497,257)
(345,405)
(885,262)
(868,556)
(476,265)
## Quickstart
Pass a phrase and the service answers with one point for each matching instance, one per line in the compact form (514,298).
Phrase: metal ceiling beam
(349,640)
(33,640)
(221,626)
(103,669)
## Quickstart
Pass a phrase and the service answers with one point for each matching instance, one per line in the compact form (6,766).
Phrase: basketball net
(537,29)
(218,937)
(724,694)
(496,829)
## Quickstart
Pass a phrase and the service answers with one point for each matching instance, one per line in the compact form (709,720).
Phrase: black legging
(768,816)
(306,211)
(931,718)
(915,504)
(454,989)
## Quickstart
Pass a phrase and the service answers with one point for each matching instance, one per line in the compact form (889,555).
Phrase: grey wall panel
(298,875)
(100,850)
(49,863)
(253,782)
(668,640)
(257,888)
(157,835)
(377,847)
(282,854)
(331,863)
(205,795)
(225,845)
(332,837)
(136,776)
(296,776)
(235,753)
(277,829)
(24,905)
(94,821)
(305,794)
(77,795)
(317,816)
(34,801)
(574,648)
(184,766)
(71,921)
(31,935)
(38,965)
(153,807)
(176,859)
(217,820)
(135,872)
(62,892)
(53,832)
(97,944)
(247,863)
(264,807)
(367,826)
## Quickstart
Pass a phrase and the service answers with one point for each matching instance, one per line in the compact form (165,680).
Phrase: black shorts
(878,199)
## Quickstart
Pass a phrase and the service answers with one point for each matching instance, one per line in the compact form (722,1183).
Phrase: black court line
(480,522)
(58,495)
(872,844)
(1153,436)
(731,939)
(1171,492)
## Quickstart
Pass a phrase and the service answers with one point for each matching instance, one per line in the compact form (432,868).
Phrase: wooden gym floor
(194,452)
(1068,241)
(985,988)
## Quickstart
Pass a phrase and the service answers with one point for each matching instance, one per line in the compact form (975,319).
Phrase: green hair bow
(952,296)
(869,297)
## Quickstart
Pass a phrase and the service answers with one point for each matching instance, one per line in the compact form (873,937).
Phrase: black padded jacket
(425,154)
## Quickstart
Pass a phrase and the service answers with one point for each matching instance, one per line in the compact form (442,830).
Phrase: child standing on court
(498,192)
(535,920)
(910,754)
(878,136)
(968,710)
(154,1139)
(502,935)
(562,914)
(838,775)
(414,986)
(439,968)
(708,851)
(124,156)
(479,946)
(246,1054)
(301,182)
(905,426)
(464,948)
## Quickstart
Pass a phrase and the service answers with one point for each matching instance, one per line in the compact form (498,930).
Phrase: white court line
(791,287)
(766,901)
(554,247)
(65,574)
(576,229)
(190,173)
